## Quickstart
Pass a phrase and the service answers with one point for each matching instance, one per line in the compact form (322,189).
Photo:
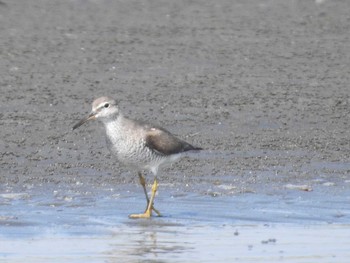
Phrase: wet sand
(263,86)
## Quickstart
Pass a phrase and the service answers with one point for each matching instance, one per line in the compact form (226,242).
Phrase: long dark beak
(90,117)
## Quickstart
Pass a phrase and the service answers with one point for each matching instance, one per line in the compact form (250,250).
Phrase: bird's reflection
(151,240)
(146,244)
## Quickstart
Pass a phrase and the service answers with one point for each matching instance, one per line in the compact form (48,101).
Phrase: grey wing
(165,143)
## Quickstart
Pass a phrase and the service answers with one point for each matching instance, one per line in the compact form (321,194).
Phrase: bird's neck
(113,125)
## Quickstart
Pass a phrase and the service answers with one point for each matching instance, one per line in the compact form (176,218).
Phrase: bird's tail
(190,147)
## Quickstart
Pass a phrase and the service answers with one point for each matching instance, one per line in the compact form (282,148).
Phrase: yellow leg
(148,212)
(143,183)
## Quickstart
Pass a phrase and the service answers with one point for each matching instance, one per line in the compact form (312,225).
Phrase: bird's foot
(146,214)
(156,211)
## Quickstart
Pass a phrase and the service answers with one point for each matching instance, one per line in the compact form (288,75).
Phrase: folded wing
(163,142)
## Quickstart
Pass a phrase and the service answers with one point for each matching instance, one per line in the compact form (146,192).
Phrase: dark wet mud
(262,86)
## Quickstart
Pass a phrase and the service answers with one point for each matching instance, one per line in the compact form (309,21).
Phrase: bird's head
(103,108)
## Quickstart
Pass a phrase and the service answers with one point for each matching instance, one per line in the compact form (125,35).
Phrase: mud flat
(263,86)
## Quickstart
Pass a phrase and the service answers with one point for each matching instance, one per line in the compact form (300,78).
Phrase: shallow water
(65,225)
(173,243)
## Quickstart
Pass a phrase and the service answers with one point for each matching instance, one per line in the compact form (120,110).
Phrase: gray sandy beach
(262,86)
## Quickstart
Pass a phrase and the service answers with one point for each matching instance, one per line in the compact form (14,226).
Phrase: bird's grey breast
(125,139)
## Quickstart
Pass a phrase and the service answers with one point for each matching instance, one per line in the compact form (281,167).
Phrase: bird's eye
(106,105)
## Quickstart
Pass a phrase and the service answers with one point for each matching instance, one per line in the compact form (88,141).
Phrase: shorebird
(138,145)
